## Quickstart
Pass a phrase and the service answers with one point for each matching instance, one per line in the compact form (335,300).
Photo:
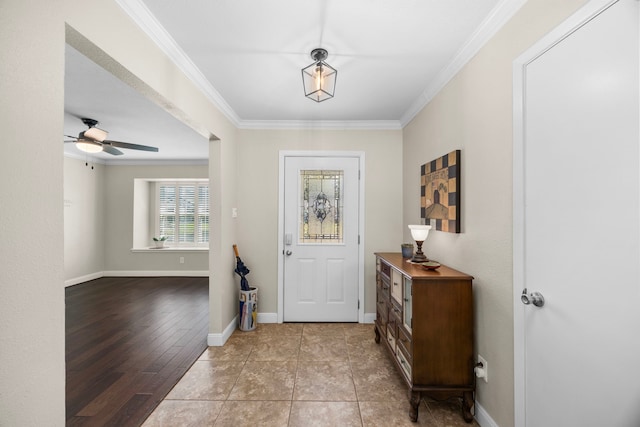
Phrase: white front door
(321,211)
(576,222)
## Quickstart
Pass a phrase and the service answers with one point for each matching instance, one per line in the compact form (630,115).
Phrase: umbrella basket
(247,316)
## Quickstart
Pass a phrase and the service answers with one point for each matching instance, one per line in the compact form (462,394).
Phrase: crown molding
(321,124)
(498,17)
(141,15)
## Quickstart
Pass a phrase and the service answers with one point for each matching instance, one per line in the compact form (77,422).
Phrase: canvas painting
(440,192)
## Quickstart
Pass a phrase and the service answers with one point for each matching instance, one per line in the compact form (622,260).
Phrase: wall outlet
(482,369)
(181,260)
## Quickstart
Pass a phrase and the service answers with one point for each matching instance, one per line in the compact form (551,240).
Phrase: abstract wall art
(440,192)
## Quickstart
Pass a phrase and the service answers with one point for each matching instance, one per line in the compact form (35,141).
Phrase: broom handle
(235,250)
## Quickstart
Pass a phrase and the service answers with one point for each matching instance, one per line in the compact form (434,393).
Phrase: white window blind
(183,213)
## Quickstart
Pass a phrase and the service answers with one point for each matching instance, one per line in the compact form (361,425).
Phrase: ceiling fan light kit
(319,78)
(88,146)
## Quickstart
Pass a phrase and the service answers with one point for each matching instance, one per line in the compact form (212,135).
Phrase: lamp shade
(319,78)
(419,233)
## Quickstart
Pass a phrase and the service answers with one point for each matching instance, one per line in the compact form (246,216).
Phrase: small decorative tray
(430,265)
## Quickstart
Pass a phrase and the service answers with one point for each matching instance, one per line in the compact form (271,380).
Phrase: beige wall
(120,47)
(31,247)
(474,113)
(84,218)
(118,221)
(258,201)
(32,278)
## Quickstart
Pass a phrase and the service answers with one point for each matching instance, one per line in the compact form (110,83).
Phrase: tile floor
(312,374)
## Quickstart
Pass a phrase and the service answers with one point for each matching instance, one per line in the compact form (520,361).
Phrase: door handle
(288,253)
(534,298)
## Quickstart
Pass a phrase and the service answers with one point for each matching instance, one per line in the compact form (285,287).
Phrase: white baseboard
(267,317)
(218,340)
(82,279)
(369,318)
(483,418)
(137,273)
(156,273)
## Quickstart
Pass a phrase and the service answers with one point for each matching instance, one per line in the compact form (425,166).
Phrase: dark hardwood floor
(128,342)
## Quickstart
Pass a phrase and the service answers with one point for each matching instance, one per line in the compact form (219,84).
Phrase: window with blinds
(183,213)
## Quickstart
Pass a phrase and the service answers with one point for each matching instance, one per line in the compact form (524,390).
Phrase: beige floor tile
(236,348)
(275,348)
(279,329)
(184,413)
(381,384)
(265,381)
(336,329)
(324,414)
(328,381)
(359,329)
(323,348)
(254,413)
(207,380)
(363,351)
(394,414)
(448,413)
(371,361)
(299,375)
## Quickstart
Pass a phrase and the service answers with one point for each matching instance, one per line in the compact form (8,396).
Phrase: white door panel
(321,239)
(580,226)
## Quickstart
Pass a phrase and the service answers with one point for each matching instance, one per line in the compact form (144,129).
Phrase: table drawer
(382,285)
(404,364)
(391,340)
(405,344)
(396,285)
(385,269)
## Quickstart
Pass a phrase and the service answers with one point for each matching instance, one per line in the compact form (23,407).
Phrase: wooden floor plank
(128,342)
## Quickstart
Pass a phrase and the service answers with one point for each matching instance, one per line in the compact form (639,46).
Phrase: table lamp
(419,233)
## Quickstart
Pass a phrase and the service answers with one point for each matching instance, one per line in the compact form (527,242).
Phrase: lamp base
(419,256)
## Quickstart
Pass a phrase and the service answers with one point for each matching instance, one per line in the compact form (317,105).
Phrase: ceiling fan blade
(109,149)
(130,146)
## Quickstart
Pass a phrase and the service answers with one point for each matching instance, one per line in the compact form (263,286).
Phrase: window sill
(169,249)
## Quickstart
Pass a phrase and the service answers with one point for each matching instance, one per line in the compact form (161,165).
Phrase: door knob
(288,253)
(534,298)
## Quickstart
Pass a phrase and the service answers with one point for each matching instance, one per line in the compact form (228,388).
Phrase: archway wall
(121,47)
(32,278)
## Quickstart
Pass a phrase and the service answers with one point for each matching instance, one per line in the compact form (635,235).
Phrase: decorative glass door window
(321,206)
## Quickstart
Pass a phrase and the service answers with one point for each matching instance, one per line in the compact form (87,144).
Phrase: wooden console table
(425,318)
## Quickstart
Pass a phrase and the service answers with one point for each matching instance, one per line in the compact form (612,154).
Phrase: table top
(417,271)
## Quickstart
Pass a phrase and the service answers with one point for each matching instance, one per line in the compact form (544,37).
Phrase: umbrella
(241,270)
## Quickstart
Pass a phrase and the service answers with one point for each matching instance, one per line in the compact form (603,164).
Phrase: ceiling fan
(94,140)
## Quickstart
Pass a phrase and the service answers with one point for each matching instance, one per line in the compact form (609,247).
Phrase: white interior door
(576,216)
(321,211)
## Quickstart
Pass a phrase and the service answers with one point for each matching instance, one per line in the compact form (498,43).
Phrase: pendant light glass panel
(319,81)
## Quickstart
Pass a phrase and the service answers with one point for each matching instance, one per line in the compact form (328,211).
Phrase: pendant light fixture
(319,78)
